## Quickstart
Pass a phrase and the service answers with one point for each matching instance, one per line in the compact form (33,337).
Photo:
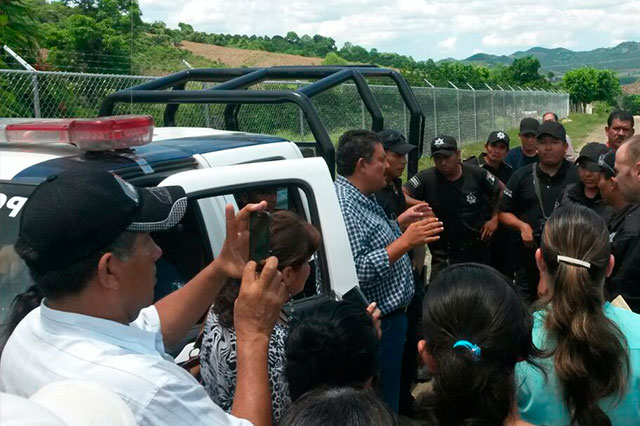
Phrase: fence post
(34,79)
(435,109)
(458,108)
(475,114)
(493,114)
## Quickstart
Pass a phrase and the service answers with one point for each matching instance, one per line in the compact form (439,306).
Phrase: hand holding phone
(259,236)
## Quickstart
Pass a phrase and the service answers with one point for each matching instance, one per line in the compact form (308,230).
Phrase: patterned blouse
(219,369)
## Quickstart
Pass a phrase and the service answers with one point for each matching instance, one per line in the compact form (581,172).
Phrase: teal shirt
(540,401)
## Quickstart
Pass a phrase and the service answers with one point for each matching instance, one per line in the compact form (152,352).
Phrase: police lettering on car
(464,197)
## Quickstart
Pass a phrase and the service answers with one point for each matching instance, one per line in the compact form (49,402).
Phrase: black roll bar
(324,146)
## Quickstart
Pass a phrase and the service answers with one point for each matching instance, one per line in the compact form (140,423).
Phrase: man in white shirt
(85,237)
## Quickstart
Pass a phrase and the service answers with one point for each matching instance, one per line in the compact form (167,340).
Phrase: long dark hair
(590,356)
(475,303)
(293,241)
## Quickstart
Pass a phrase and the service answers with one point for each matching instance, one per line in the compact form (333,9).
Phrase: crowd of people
(528,316)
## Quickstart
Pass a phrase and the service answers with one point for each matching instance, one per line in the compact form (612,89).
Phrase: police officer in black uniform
(492,160)
(391,197)
(531,195)
(585,192)
(464,197)
(624,235)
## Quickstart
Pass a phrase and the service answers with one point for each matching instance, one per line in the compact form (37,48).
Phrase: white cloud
(448,43)
(421,28)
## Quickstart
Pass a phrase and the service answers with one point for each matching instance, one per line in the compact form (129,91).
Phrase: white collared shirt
(50,345)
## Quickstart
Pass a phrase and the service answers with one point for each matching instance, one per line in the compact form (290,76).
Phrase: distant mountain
(623,58)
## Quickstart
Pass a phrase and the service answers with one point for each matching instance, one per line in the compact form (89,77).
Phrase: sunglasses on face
(608,169)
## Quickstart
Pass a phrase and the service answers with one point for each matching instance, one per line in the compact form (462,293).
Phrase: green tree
(588,84)
(17,28)
(332,58)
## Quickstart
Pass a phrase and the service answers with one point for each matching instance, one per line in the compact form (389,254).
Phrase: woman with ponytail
(476,329)
(592,349)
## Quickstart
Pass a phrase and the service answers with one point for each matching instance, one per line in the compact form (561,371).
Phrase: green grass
(580,126)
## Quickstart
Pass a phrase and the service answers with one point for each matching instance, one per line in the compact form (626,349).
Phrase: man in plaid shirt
(379,246)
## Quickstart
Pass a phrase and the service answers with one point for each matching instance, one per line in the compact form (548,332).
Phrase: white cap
(18,411)
(80,403)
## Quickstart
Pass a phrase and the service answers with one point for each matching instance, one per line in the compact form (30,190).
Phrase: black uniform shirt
(574,194)
(392,200)
(503,172)
(520,197)
(624,236)
(462,205)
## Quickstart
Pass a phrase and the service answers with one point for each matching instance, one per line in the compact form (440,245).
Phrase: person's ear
(360,164)
(287,272)
(425,355)
(542,267)
(108,268)
(610,265)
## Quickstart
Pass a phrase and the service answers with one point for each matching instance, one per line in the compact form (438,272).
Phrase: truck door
(303,185)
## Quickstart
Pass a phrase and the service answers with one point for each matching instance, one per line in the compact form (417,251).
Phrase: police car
(214,167)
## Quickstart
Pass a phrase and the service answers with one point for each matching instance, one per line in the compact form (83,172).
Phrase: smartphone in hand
(259,236)
(357,296)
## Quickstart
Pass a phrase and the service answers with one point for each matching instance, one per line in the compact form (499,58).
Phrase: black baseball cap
(498,136)
(445,145)
(392,140)
(75,214)
(529,126)
(553,129)
(590,154)
(607,163)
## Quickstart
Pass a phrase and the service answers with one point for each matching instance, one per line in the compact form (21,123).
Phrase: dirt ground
(248,58)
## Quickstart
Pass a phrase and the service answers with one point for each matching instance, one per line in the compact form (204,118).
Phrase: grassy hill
(233,57)
(623,59)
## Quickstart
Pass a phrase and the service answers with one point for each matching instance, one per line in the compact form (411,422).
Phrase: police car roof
(172,147)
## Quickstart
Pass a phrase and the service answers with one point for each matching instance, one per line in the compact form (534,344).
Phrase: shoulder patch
(491,178)
(415,182)
(508,192)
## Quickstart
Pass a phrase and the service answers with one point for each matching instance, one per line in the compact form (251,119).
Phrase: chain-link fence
(468,115)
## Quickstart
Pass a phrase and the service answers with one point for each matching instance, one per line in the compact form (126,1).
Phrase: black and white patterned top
(219,369)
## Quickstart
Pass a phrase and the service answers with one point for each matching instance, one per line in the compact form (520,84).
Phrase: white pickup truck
(214,167)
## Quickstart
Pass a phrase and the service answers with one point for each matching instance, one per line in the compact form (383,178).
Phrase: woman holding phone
(293,241)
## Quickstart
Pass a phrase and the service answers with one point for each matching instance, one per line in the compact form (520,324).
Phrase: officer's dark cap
(553,129)
(392,140)
(529,126)
(498,136)
(443,144)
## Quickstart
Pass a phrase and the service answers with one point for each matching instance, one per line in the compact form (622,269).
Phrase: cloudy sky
(420,28)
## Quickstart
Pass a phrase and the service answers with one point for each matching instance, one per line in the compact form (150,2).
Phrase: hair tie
(573,261)
(471,347)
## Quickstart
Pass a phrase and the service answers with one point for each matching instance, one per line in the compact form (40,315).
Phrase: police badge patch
(471,198)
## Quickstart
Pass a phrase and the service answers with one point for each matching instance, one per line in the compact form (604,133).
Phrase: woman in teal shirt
(591,370)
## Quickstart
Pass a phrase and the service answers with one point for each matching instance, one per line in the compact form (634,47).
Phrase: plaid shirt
(370,232)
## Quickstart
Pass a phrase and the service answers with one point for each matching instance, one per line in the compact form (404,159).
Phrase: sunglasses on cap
(603,164)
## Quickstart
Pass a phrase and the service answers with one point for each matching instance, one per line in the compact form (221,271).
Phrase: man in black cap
(84,235)
(531,195)
(585,192)
(526,153)
(624,235)
(464,197)
(391,198)
(492,160)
